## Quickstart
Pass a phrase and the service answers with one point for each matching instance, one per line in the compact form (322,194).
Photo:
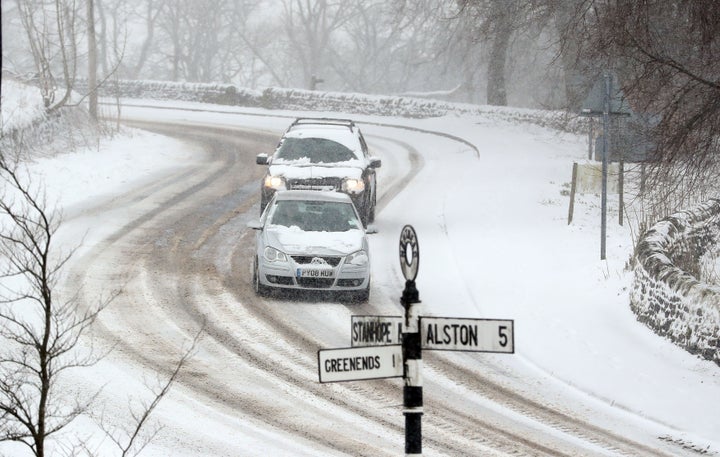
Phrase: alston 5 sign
(474,335)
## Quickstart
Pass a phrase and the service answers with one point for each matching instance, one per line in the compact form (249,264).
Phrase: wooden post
(621,184)
(573,186)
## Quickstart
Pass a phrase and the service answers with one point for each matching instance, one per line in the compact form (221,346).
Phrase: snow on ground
(494,243)
(20,105)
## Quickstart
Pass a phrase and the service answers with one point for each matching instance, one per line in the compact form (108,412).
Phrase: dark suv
(322,154)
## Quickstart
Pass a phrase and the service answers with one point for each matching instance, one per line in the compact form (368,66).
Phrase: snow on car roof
(340,134)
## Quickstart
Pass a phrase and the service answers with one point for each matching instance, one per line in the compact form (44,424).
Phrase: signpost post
(411,347)
(601,102)
(391,346)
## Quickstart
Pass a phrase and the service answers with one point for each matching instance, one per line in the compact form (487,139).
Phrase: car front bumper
(294,275)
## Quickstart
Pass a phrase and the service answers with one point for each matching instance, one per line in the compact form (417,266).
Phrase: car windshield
(316,150)
(315,216)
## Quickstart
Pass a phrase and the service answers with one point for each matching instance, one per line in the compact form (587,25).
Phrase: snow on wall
(354,103)
(666,294)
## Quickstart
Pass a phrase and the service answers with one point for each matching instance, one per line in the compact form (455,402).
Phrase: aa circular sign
(409,253)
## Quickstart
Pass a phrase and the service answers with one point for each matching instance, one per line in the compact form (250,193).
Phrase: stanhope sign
(375,330)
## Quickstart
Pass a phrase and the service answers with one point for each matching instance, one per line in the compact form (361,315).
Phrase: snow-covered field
(494,243)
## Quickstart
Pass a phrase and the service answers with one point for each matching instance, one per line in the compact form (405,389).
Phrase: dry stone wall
(274,98)
(667,294)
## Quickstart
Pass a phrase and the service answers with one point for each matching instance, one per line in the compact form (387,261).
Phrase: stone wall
(341,102)
(667,294)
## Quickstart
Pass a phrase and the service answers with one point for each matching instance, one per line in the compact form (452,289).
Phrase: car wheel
(260,289)
(364,211)
(263,204)
(371,211)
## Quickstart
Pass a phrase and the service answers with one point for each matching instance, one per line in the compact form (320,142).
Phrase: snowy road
(182,257)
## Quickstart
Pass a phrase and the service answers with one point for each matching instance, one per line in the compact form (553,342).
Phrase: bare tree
(496,24)
(92,59)
(121,14)
(420,48)
(53,40)
(363,57)
(311,25)
(399,48)
(197,30)
(267,59)
(39,333)
(666,55)
(580,69)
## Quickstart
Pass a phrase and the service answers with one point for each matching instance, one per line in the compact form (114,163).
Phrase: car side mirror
(375,162)
(255,224)
(261,159)
(371,229)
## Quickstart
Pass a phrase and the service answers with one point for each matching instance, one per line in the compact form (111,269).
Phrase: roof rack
(323,121)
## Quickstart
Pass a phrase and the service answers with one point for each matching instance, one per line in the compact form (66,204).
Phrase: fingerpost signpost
(391,346)
(411,349)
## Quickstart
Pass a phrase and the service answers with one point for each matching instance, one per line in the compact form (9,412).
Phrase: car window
(339,217)
(287,214)
(314,150)
(315,216)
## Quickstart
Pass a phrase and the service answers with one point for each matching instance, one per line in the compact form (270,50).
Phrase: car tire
(363,216)
(263,204)
(371,211)
(260,289)
(365,212)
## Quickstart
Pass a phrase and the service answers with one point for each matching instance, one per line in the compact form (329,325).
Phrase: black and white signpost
(411,347)
(391,346)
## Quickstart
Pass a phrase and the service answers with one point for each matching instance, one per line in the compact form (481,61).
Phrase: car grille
(307,259)
(315,283)
(315,184)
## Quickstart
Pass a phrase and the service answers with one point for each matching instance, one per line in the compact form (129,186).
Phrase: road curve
(182,262)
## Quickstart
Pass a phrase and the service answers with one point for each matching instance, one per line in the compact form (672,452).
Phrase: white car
(312,240)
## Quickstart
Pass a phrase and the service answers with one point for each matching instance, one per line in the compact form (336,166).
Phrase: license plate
(314,273)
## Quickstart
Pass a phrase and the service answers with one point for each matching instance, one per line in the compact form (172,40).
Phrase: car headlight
(275,182)
(273,255)
(353,186)
(359,258)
